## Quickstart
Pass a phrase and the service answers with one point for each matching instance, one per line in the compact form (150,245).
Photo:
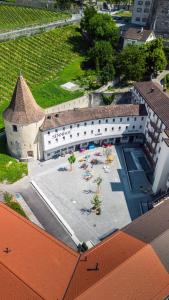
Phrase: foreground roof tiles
(23,108)
(131,264)
(37,264)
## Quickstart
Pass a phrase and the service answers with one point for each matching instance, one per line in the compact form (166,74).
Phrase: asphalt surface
(45,216)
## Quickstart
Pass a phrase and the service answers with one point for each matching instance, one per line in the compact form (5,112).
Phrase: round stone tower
(23,118)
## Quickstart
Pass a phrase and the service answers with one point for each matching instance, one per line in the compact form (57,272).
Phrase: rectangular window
(85,133)
(106,121)
(112,128)
(141,126)
(70,136)
(98,130)
(77,125)
(14,127)
(128,119)
(133,127)
(78,134)
(91,131)
(121,119)
(119,127)
(113,120)
(105,129)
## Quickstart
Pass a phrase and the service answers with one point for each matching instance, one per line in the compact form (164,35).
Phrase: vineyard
(12,17)
(46,60)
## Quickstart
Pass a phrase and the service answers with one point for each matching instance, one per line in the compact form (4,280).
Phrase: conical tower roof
(23,108)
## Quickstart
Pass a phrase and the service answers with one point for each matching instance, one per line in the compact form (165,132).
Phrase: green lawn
(12,17)
(10,169)
(52,90)
(124,13)
(46,61)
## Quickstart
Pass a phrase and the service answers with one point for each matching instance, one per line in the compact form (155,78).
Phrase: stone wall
(11,35)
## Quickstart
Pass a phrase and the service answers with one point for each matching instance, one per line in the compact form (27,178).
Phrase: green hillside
(46,61)
(12,17)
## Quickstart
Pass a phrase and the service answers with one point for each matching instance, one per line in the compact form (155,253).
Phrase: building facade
(32,134)
(153,14)
(156,132)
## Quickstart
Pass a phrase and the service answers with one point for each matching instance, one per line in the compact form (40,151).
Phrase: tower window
(14,127)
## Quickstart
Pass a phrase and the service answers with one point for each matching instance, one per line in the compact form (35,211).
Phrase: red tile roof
(131,264)
(36,261)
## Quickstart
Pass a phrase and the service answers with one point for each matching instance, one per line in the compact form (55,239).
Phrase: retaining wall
(28,31)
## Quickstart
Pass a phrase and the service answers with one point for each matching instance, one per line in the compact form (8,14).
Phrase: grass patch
(46,60)
(10,169)
(8,200)
(50,93)
(13,17)
(124,13)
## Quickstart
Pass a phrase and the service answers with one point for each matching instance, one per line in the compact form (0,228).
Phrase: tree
(101,56)
(132,63)
(88,14)
(71,160)
(102,27)
(155,57)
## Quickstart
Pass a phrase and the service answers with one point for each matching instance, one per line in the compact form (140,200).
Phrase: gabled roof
(92,113)
(156,98)
(138,34)
(23,108)
(37,265)
(133,263)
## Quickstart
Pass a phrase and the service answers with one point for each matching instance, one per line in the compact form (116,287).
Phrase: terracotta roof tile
(86,114)
(23,108)
(137,34)
(156,98)
(44,264)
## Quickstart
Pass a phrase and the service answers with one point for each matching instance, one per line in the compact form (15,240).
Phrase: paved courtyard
(71,194)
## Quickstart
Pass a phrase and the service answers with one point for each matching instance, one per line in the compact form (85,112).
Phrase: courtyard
(124,192)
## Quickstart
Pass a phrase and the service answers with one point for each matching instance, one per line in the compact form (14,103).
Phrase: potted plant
(71,160)
(96,202)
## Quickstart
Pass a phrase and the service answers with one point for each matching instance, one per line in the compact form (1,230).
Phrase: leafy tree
(155,57)
(101,56)
(88,14)
(71,160)
(102,27)
(132,63)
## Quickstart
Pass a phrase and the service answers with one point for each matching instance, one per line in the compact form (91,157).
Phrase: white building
(156,132)
(138,36)
(33,134)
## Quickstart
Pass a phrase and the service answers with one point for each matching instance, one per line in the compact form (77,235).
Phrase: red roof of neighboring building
(37,266)
(131,264)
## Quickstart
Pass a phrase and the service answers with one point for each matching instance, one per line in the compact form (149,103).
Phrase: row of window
(119,128)
(99,122)
(146,10)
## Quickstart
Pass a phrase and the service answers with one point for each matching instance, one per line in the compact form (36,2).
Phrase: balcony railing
(155,126)
(150,148)
(154,138)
